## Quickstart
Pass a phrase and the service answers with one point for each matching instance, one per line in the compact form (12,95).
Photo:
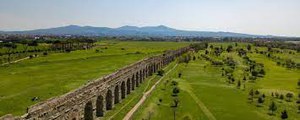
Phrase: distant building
(36,38)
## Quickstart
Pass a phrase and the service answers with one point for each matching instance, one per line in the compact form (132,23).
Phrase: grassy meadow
(58,73)
(205,93)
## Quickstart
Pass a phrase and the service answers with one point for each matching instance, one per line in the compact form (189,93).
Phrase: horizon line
(142,26)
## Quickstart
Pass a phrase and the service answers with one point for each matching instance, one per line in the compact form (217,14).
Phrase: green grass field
(58,73)
(205,94)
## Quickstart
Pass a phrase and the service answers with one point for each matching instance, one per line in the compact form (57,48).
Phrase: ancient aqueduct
(92,100)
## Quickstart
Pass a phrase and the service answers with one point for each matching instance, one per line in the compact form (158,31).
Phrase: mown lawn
(222,101)
(203,89)
(58,73)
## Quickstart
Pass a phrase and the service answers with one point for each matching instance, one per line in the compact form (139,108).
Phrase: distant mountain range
(160,31)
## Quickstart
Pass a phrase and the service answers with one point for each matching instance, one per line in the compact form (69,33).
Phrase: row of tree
(278,44)
(8,49)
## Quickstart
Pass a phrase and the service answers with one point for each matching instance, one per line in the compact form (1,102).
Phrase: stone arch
(123,90)
(108,100)
(137,79)
(160,65)
(144,74)
(99,106)
(88,111)
(141,77)
(132,82)
(148,71)
(152,69)
(116,94)
(128,86)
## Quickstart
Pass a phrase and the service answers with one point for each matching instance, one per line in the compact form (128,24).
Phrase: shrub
(179,75)
(272,107)
(45,53)
(260,101)
(289,96)
(160,72)
(138,52)
(174,83)
(284,115)
(68,50)
(281,97)
(175,91)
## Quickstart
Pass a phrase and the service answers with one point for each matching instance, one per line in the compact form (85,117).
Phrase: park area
(217,84)
(223,80)
(37,79)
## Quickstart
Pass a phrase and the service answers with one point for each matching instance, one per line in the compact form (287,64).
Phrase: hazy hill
(126,31)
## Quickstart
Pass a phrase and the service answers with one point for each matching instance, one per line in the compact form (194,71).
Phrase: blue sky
(275,17)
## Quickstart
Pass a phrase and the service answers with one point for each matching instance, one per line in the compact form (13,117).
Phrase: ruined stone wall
(93,99)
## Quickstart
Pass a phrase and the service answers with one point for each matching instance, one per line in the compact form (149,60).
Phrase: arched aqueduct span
(92,100)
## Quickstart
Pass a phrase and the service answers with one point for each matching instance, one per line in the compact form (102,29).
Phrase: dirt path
(16,61)
(202,106)
(148,84)
(145,95)
(131,99)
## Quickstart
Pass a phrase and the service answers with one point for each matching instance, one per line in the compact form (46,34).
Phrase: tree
(174,83)
(277,94)
(284,115)
(248,47)
(175,91)
(244,78)
(176,102)
(25,45)
(269,48)
(257,92)
(159,101)
(239,84)
(289,96)
(206,52)
(272,107)
(260,100)
(34,44)
(281,97)
(229,48)
(10,47)
(179,75)
(160,72)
